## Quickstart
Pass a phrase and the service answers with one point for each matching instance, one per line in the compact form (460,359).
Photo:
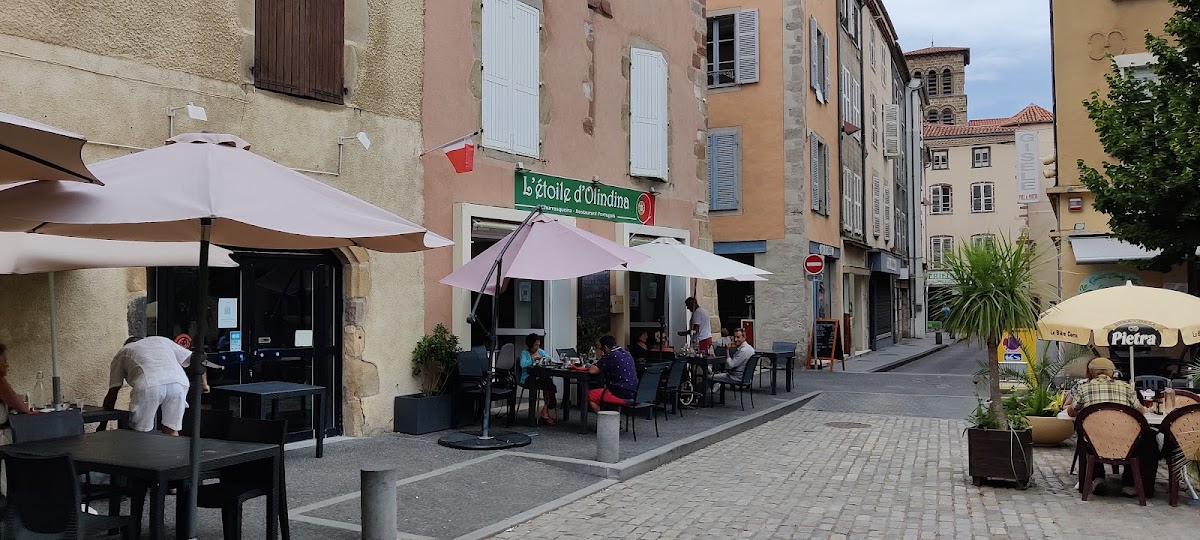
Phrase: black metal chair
(242,483)
(470,385)
(214,423)
(1151,382)
(785,359)
(646,398)
(671,387)
(44,502)
(746,384)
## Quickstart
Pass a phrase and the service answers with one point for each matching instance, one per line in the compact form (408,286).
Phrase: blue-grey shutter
(814,150)
(724,170)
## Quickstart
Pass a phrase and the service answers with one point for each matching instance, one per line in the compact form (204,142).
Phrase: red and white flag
(460,152)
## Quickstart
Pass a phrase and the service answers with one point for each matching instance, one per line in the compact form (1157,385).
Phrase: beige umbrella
(34,151)
(208,187)
(22,253)
(1124,316)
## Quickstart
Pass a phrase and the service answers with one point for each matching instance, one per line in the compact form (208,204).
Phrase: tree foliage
(1151,129)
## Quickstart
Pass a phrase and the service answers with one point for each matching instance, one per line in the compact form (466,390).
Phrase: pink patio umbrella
(34,151)
(209,188)
(541,248)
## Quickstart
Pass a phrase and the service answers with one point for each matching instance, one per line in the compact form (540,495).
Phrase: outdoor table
(1153,419)
(258,395)
(581,378)
(789,358)
(152,460)
(706,374)
(93,414)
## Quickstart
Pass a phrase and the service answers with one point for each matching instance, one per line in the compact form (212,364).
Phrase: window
(725,169)
(876,206)
(941,160)
(299,55)
(847,108)
(858,204)
(847,200)
(851,99)
(819,159)
(1138,66)
(941,199)
(980,240)
(939,248)
(932,116)
(872,46)
(931,83)
(856,101)
(947,82)
(874,121)
(818,51)
(647,114)
(732,45)
(981,157)
(947,116)
(851,17)
(981,197)
(511,77)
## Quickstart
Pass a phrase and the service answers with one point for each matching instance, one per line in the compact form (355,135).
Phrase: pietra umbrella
(23,253)
(34,151)
(208,187)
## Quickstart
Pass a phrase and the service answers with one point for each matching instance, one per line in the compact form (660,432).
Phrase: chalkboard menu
(594,298)
(826,342)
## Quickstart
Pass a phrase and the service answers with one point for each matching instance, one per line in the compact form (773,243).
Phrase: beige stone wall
(111,69)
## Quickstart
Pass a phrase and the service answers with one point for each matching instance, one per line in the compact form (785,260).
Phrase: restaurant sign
(1134,334)
(592,200)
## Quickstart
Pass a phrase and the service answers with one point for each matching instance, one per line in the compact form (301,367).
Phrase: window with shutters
(982,199)
(647,114)
(876,206)
(981,240)
(887,212)
(941,160)
(931,117)
(847,108)
(851,18)
(725,168)
(819,173)
(511,77)
(874,120)
(981,156)
(947,116)
(818,61)
(298,47)
(732,45)
(847,200)
(856,102)
(939,248)
(941,199)
(931,81)
(859,218)
(892,134)
(872,47)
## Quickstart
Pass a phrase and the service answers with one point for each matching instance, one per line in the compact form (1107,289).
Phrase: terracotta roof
(1032,114)
(941,50)
(989,122)
(933,131)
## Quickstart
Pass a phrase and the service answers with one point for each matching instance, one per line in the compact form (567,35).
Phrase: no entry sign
(814,264)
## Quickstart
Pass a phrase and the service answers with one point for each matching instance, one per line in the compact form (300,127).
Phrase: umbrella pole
(194,370)
(55,380)
(1132,379)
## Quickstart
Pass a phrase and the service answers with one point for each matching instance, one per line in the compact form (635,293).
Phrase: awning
(1106,250)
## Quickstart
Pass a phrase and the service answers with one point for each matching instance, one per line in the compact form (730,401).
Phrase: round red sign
(645,209)
(814,264)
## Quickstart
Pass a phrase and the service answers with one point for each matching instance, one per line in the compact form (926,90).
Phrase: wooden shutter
(298,47)
(525,63)
(724,170)
(891,130)
(647,114)
(815,151)
(814,59)
(746,46)
(497,75)
(876,206)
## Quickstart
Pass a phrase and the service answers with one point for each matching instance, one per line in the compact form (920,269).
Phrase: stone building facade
(944,71)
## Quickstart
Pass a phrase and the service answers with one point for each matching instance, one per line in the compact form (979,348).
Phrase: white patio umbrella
(22,253)
(208,187)
(670,258)
(34,151)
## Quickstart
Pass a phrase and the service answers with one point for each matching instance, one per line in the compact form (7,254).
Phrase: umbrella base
(471,440)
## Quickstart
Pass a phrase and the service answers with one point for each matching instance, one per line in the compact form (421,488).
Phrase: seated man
(620,375)
(153,366)
(1102,388)
(735,360)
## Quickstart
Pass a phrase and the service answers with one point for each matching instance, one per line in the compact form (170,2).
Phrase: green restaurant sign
(592,200)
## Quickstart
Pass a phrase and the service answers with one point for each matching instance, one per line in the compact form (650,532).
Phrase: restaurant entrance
(276,317)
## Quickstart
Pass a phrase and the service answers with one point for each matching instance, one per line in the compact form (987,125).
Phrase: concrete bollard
(379,503)
(608,436)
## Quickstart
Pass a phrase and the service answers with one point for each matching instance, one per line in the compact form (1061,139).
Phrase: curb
(904,361)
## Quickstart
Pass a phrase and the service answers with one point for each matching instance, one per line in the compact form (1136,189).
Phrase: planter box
(417,414)
(1000,454)
(1050,430)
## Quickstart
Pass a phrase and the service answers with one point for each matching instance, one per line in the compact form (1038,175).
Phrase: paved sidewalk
(845,475)
(897,355)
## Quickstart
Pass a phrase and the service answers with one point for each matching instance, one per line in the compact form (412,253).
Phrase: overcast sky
(1009,41)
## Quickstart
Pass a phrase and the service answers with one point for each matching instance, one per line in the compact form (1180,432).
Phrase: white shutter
(814,150)
(525,39)
(891,130)
(856,101)
(847,200)
(858,204)
(814,59)
(746,46)
(825,177)
(724,170)
(887,212)
(497,82)
(876,211)
(825,66)
(647,114)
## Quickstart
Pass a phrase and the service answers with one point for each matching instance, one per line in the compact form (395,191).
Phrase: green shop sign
(591,200)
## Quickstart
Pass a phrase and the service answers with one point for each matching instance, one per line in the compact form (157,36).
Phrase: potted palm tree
(993,295)
(1041,399)
(434,361)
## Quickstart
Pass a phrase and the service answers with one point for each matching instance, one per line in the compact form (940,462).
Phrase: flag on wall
(460,152)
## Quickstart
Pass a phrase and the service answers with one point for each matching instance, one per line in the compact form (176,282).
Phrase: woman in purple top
(620,375)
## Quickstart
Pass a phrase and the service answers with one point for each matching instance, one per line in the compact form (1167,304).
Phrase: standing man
(700,328)
(620,375)
(153,366)
(735,360)
(1102,388)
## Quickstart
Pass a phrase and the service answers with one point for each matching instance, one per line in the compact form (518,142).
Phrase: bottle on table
(40,397)
(1168,399)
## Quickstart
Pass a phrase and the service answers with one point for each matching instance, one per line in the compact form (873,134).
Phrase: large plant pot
(417,414)
(1000,455)
(1050,430)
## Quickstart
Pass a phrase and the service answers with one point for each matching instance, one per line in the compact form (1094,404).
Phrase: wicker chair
(1182,430)
(1184,398)
(1111,433)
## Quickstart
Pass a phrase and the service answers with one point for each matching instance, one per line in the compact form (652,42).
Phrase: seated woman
(641,346)
(8,396)
(532,353)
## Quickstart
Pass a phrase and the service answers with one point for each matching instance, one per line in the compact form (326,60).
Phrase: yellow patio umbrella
(1124,316)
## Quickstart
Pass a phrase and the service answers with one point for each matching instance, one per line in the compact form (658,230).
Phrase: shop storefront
(856,294)
(885,269)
